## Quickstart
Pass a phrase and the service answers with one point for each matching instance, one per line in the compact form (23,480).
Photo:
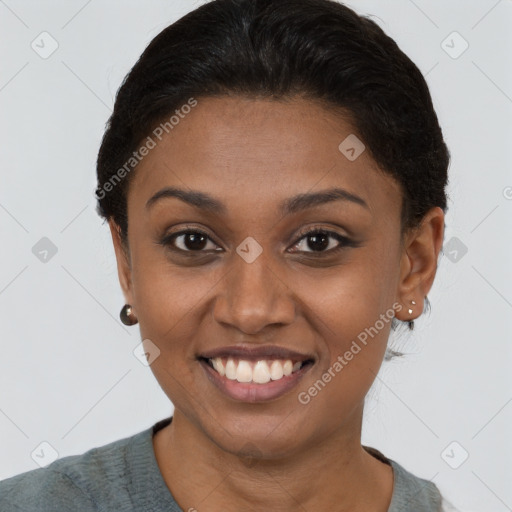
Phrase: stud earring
(127,316)
(411,322)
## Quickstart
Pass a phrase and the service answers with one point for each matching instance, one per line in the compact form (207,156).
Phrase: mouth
(262,373)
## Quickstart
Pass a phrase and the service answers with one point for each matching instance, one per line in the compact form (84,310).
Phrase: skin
(251,155)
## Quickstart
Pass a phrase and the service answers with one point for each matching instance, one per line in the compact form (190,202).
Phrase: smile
(258,372)
(254,380)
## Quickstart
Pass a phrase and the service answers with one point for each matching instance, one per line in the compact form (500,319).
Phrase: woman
(273,176)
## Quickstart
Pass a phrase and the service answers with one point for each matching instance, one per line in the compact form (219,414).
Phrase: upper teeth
(259,372)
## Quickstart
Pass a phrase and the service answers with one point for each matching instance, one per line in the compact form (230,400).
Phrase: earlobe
(123,263)
(418,265)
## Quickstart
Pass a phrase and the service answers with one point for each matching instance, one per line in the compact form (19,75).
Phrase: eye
(190,240)
(318,239)
(195,240)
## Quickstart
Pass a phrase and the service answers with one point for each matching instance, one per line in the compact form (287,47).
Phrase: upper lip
(256,353)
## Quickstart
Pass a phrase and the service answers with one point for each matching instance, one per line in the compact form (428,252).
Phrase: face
(248,266)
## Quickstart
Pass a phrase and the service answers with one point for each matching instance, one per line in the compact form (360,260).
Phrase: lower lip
(250,391)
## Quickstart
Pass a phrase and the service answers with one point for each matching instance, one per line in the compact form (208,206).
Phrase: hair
(318,50)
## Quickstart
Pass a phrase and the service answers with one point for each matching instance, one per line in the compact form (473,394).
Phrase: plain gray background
(68,375)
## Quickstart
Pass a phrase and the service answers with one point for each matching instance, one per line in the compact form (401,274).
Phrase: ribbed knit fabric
(124,476)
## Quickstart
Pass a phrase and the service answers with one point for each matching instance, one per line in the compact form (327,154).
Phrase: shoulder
(76,482)
(411,492)
(44,490)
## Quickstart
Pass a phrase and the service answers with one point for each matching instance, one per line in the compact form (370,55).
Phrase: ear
(418,265)
(123,262)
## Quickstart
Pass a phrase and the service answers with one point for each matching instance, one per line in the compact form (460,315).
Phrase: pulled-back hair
(317,49)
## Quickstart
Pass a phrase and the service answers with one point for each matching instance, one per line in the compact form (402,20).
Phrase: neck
(334,474)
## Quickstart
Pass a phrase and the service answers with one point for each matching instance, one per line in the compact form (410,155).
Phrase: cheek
(170,304)
(356,337)
(173,308)
(352,311)
(350,297)
(355,346)
(168,296)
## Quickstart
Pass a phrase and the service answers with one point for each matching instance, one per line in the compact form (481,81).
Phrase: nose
(253,296)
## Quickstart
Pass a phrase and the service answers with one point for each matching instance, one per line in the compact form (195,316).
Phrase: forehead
(262,151)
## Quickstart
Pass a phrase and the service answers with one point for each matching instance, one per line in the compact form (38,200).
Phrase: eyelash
(345,242)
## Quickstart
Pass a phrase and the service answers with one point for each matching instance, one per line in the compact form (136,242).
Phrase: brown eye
(318,240)
(188,241)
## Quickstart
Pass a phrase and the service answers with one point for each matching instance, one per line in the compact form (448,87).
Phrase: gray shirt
(124,476)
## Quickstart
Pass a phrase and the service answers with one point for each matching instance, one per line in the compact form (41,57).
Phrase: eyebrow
(289,206)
